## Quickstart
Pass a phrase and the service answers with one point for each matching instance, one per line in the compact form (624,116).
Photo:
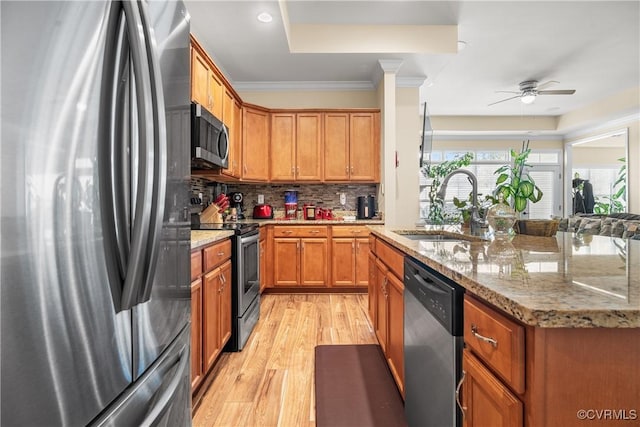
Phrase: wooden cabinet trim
(392,257)
(300,231)
(196,264)
(350,231)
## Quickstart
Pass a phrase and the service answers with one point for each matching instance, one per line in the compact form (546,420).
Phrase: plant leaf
(520,204)
(502,178)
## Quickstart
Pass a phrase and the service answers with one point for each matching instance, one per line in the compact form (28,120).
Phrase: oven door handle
(246,239)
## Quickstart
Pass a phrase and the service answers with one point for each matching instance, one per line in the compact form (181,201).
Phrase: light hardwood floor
(270,382)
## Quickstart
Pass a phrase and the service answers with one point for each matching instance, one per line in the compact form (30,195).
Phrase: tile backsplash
(322,195)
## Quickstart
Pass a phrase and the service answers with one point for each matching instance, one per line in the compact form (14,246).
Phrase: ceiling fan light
(528,98)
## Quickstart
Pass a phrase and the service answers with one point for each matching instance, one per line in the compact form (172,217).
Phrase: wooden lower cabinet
(350,262)
(382,305)
(485,400)
(196,333)
(300,262)
(386,307)
(395,338)
(210,307)
(211,317)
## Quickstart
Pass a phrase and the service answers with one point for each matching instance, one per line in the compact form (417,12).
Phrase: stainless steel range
(245,258)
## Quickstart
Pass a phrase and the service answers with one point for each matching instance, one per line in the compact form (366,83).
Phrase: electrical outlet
(343,199)
(260,198)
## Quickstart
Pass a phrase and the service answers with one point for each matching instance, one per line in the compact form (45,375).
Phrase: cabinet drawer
(393,258)
(196,264)
(300,231)
(216,254)
(349,231)
(496,340)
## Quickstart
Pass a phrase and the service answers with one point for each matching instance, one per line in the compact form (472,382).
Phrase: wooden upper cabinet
(235,166)
(364,152)
(228,118)
(308,147)
(255,144)
(283,146)
(296,147)
(216,89)
(200,71)
(336,146)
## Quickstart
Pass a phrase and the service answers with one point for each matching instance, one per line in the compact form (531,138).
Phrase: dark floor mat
(354,387)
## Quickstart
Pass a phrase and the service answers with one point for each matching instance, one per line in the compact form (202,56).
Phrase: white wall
(408,147)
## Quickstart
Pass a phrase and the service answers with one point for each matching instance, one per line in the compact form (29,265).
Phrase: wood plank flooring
(270,382)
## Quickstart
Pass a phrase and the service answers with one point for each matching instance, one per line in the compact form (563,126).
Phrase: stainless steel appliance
(432,346)
(209,140)
(245,258)
(95,237)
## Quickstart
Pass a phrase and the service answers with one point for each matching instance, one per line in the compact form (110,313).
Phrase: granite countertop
(570,280)
(283,221)
(201,238)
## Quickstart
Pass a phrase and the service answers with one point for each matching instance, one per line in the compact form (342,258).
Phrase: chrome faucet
(476,221)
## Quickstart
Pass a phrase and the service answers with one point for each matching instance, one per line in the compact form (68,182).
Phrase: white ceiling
(590,46)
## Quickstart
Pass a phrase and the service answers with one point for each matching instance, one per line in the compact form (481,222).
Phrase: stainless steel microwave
(209,140)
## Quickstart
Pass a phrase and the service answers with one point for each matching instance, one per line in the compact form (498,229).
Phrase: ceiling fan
(529,90)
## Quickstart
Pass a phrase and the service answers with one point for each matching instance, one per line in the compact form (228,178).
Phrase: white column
(388,141)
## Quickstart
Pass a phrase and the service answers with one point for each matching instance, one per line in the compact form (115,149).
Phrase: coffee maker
(237,202)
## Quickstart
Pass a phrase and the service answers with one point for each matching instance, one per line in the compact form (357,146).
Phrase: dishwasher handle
(463,409)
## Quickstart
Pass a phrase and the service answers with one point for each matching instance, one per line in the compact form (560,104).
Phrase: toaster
(262,211)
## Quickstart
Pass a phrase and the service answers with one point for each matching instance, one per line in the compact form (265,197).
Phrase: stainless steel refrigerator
(94,225)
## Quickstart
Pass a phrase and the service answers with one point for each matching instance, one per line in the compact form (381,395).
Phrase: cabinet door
(486,400)
(286,261)
(283,142)
(211,316)
(382,304)
(216,90)
(228,117)
(196,333)
(372,293)
(343,265)
(225,303)
(336,146)
(200,79)
(255,146)
(364,146)
(314,262)
(236,162)
(308,147)
(395,349)
(362,261)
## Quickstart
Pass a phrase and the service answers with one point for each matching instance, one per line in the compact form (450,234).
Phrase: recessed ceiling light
(265,17)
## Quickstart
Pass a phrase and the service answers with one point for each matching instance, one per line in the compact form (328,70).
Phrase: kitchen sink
(430,237)
(436,236)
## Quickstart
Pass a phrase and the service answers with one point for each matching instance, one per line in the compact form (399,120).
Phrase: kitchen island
(551,325)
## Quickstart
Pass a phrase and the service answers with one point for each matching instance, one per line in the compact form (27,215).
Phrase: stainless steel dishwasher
(432,346)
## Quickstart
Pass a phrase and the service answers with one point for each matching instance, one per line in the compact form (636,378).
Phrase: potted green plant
(616,202)
(516,186)
(437,172)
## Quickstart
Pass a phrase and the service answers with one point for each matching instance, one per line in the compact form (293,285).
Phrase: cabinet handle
(356,231)
(220,254)
(351,170)
(346,170)
(303,246)
(474,331)
(224,279)
(353,247)
(245,168)
(287,232)
(462,408)
(297,245)
(293,171)
(297,171)
(358,248)
(314,231)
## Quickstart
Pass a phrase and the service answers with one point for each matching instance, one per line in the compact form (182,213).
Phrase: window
(545,172)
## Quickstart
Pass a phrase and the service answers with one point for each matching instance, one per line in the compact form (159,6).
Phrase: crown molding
(303,85)
(444,135)
(390,65)
(410,81)
(612,123)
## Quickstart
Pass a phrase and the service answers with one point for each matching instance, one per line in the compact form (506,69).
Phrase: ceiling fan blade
(507,91)
(498,102)
(545,84)
(557,92)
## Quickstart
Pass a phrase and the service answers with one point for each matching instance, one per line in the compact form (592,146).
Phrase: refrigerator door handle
(113,162)
(159,154)
(161,402)
(136,266)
